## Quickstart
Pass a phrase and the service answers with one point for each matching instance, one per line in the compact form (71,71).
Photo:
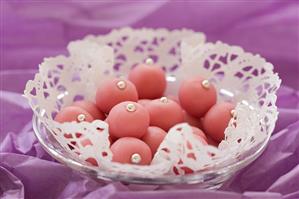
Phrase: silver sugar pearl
(205,83)
(149,61)
(121,84)
(164,99)
(131,107)
(81,117)
(135,158)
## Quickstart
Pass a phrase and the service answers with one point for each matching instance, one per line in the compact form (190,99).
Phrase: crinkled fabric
(31,31)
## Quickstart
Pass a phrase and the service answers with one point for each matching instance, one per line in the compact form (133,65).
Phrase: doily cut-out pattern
(240,77)
(132,47)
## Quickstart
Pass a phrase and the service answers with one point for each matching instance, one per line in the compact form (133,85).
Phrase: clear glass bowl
(229,67)
(211,178)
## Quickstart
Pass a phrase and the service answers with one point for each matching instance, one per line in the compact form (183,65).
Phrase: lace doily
(245,79)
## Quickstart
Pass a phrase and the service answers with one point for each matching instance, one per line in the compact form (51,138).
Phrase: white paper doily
(245,79)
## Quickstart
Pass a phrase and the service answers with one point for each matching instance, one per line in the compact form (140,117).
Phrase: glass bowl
(212,178)
(238,76)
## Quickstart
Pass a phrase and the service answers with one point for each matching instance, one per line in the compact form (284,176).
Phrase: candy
(212,142)
(164,113)
(144,102)
(91,108)
(153,137)
(192,121)
(131,151)
(197,96)
(128,119)
(174,98)
(114,91)
(73,113)
(217,119)
(112,139)
(149,80)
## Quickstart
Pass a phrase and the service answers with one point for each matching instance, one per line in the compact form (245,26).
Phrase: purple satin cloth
(36,29)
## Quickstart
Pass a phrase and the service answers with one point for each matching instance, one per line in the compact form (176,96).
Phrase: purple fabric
(36,29)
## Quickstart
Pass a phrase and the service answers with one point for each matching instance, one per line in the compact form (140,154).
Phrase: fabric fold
(32,32)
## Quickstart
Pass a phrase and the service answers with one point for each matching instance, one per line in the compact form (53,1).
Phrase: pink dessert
(197,96)
(114,91)
(111,139)
(174,98)
(131,151)
(128,119)
(91,108)
(217,119)
(73,113)
(164,113)
(192,121)
(212,142)
(149,80)
(144,102)
(153,137)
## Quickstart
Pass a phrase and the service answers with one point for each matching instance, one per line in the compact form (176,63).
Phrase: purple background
(31,30)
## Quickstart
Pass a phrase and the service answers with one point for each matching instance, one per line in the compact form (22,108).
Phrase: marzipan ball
(216,120)
(149,80)
(143,102)
(212,142)
(91,108)
(174,98)
(114,91)
(131,151)
(192,121)
(154,137)
(73,113)
(164,113)
(197,95)
(128,119)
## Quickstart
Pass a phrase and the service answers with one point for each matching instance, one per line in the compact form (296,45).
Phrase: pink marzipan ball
(144,102)
(217,119)
(149,80)
(73,113)
(128,119)
(154,137)
(164,113)
(131,151)
(90,108)
(114,91)
(174,98)
(212,142)
(192,121)
(197,96)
